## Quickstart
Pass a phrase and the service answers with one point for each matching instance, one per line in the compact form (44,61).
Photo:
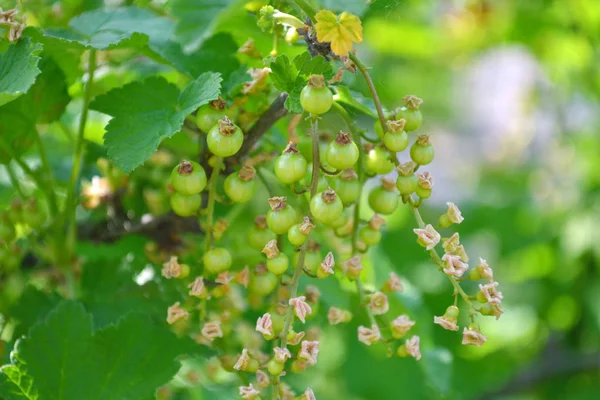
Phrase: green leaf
(291,76)
(146,112)
(125,26)
(437,364)
(45,101)
(18,69)
(15,384)
(355,101)
(64,359)
(217,54)
(33,305)
(195,18)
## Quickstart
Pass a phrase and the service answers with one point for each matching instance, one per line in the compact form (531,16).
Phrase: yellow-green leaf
(340,31)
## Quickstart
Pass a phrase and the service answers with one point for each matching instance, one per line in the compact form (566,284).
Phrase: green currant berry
(424,185)
(263,283)
(421,151)
(346,186)
(315,98)
(225,139)
(259,235)
(217,260)
(326,207)
(290,166)
(342,220)
(384,199)
(406,184)
(396,141)
(240,186)
(185,206)
(370,236)
(298,233)
(188,178)
(278,321)
(423,193)
(278,264)
(210,114)
(275,368)
(378,160)
(296,237)
(281,216)
(312,261)
(411,113)
(342,153)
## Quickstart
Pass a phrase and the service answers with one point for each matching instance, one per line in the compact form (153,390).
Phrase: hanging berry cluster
(328,202)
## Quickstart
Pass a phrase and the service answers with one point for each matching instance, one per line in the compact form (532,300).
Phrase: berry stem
(52,201)
(365,73)
(70,205)
(316,162)
(210,206)
(356,219)
(437,260)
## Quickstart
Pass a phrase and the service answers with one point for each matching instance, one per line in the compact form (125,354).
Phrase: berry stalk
(210,206)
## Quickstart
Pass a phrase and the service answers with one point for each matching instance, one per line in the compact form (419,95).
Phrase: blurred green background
(511,95)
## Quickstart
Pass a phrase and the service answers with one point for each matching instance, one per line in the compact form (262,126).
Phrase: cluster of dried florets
(285,236)
(15,25)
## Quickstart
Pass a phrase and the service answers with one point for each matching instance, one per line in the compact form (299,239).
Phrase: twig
(365,72)
(273,114)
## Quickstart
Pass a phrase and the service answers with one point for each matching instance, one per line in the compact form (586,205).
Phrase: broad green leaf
(14,381)
(18,69)
(45,101)
(102,29)
(217,53)
(146,112)
(195,18)
(291,76)
(33,305)
(64,359)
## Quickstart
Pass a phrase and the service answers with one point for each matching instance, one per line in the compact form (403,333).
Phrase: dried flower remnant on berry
(453,266)
(412,102)
(491,309)
(376,222)
(490,293)
(247,173)
(396,125)
(243,361)
(277,203)
(306,226)
(482,271)
(411,348)
(175,313)
(406,169)
(249,48)
(352,267)
(378,303)
(337,316)
(393,284)
(368,336)
(309,351)
(301,308)
(448,320)
(171,269)
(294,338)
(343,138)
(348,174)
(249,392)
(212,330)
(271,250)
(425,180)
(224,278)
(452,246)
(327,265)
(340,31)
(281,355)
(260,221)
(328,196)
(453,215)
(243,277)
(337,78)
(264,325)
(427,237)
(401,325)
(472,335)
(262,379)
(198,288)
(226,127)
